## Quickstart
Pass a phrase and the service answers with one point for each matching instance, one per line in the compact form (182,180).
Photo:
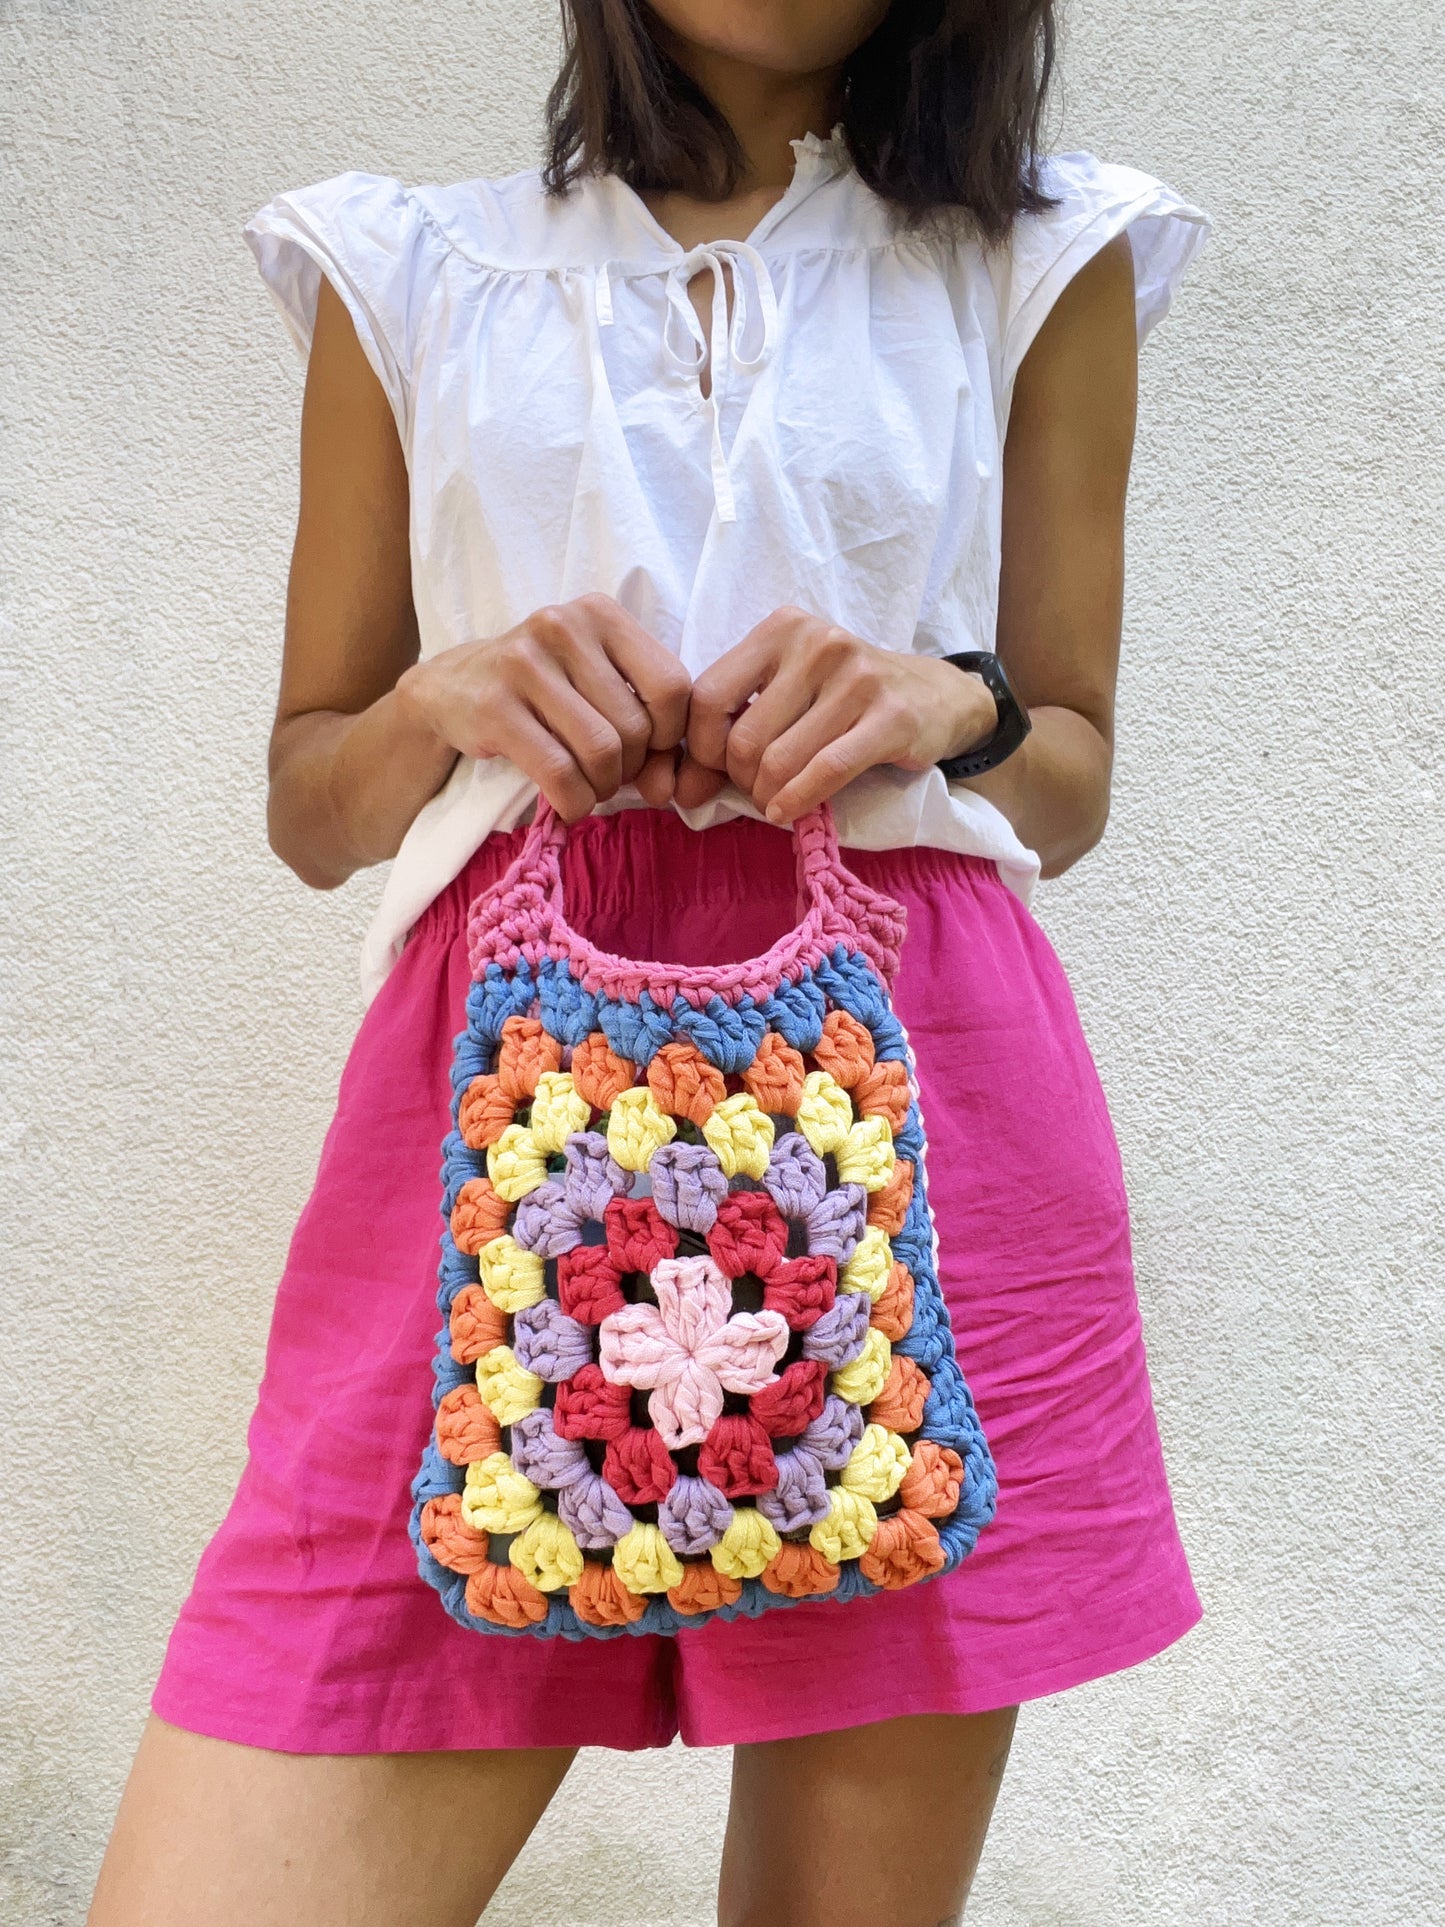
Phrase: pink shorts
(309,1629)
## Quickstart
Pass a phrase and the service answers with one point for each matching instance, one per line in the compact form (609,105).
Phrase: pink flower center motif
(687,1351)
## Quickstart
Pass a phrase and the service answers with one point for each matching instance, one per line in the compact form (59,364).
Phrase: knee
(795,1910)
(795,1901)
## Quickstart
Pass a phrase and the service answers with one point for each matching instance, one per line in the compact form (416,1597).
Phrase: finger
(653,671)
(594,743)
(836,764)
(696,784)
(722,690)
(835,712)
(773,713)
(721,693)
(565,635)
(656,779)
(599,685)
(539,755)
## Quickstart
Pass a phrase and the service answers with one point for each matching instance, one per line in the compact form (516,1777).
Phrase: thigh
(215,1835)
(875,1826)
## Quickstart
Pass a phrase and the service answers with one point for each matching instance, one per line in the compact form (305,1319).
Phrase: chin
(781,36)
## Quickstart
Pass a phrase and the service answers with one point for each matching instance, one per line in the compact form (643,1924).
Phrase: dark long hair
(941,107)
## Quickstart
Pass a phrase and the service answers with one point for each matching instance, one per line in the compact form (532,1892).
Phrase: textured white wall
(1257,955)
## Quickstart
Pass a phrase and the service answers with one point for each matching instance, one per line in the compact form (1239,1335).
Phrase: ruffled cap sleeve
(1096,201)
(367,234)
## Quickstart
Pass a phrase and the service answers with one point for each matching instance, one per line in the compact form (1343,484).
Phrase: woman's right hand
(578,696)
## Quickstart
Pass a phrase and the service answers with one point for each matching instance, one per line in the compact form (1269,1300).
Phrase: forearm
(346,788)
(1054,789)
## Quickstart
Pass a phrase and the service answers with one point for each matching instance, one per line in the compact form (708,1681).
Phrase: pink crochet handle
(523,916)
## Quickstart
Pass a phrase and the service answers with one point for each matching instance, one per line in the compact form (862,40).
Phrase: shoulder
(368,211)
(366,233)
(512,223)
(1093,203)
(505,222)
(368,236)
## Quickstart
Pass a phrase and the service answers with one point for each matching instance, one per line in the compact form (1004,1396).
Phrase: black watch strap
(1013,719)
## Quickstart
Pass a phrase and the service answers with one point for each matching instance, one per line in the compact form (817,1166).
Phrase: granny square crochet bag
(694,1359)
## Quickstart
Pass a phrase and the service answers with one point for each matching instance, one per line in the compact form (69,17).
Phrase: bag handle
(521,912)
(538,864)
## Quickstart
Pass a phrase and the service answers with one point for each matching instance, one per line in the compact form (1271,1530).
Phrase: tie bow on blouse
(725,347)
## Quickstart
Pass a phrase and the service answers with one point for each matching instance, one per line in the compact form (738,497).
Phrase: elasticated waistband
(610,861)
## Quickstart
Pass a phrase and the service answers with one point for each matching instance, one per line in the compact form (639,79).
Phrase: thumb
(655,780)
(696,783)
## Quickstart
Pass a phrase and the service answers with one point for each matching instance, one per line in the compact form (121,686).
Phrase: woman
(672,475)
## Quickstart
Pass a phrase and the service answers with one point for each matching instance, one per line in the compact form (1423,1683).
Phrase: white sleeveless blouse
(541,357)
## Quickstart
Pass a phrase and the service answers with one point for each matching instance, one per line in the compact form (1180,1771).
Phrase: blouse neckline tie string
(726,347)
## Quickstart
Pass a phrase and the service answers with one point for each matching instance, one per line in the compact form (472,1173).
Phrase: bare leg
(215,1835)
(877,1826)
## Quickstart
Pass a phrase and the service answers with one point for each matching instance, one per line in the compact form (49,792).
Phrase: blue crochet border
(729,1035)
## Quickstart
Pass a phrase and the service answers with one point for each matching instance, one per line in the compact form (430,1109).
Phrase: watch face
(998,682)
(1009,706)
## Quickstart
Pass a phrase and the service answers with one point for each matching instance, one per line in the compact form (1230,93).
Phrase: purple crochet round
(542,1457)
(836,1221)
(837,1337)
(545,1222)
(593,1177)
(687,1186)
(833,1433)
(800,1497)
(694,1516)
(795,1177)
(550,1343)
(593,1511)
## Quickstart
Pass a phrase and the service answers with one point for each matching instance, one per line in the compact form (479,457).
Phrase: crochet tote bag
(694,1359)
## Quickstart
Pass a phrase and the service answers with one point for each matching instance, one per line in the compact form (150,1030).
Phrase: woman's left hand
(800,707)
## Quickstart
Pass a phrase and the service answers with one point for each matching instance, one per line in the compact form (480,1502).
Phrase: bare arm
(350,764)
(799,707)
(578,695)
(1061,589)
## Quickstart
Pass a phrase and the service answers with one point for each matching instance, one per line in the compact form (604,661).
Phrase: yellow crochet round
(747,1545)
(497,1498)
(512,1278)
(868,1268)
(878,1465)
(547,1554)
(740,1134)
(558,1109)
(866,1155)
(636,1128)
(644,1561)
(825,1112)
(860,1383)
(515,1164)
(848,1530)
(508,1390)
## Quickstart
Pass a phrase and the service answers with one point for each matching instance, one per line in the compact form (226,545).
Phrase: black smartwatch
(1013,719)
